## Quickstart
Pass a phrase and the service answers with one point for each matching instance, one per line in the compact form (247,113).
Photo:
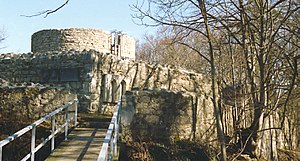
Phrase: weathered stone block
(173,120)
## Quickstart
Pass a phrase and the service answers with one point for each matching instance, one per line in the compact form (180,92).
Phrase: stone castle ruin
(99,67)
(94,64)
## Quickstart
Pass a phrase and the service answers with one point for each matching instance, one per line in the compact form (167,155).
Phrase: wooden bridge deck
(84,142)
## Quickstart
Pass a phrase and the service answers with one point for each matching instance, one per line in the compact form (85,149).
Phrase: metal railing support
(111,138)
(33,126)
(111,149)
(0,153)
(67,123)
(53,133)
(76,112)
(115,138)
(33,143)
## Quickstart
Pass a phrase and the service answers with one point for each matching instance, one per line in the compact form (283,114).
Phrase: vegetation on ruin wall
(183,150)
(152,151)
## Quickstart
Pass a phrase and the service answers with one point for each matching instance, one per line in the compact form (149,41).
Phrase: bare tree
(258,27)
(191,17)
(160,48)
(260,34)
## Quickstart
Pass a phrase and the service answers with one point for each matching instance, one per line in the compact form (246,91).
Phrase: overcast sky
(99,14)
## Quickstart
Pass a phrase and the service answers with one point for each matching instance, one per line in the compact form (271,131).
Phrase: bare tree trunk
(249,137)
(217,111)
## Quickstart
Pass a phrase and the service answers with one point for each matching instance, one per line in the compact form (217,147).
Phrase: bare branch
(48,12)
(2,38)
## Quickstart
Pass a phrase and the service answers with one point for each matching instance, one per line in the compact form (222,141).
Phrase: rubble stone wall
(79,39)
(166,116)
(50,69)
(128,75)
(30,102)
(97,77)
(161,115)
(71,39)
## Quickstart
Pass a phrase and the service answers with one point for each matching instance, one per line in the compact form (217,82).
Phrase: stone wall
(83,39)
(166,116)
(71,39)
(97,77)
(65,69)
(100,78)
(30,102)
(128,74)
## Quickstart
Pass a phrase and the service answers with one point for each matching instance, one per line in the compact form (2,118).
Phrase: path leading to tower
(85,141)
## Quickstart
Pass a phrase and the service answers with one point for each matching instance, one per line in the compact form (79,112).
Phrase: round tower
(71,39)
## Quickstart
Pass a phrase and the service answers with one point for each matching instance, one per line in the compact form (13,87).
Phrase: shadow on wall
(158,115)
(159,125)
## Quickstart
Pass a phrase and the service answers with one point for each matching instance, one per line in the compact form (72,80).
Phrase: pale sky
(107,15)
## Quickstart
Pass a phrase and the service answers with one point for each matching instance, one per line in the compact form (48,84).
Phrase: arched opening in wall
(114,91)
(123,87)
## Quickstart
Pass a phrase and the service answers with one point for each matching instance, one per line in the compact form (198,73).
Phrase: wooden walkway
(84,142)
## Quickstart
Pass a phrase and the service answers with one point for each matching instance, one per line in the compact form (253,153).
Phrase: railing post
(67,123)
(53,133)
(111,149)
(76,111)
(0,153)
(33,143)
(117,125)
(116,136)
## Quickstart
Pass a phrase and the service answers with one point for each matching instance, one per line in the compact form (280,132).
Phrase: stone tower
(78,39)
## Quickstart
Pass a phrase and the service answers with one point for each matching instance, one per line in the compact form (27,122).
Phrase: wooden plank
(82,144)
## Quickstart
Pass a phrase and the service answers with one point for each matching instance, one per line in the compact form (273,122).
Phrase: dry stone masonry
(96,65)
(96,77)
(166,116)
(99,66)
(27,101)
(83,39)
